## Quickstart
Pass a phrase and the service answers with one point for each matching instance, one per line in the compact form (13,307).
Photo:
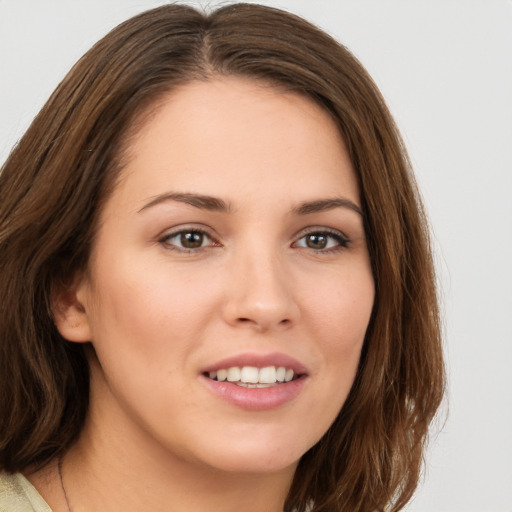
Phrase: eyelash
(342,241)
(165,240)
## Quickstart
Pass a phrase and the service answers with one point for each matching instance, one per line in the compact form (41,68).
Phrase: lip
(256,399)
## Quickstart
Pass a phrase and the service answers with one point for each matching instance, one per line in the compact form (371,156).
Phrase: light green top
(17,494)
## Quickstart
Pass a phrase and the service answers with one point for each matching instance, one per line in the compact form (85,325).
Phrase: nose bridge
(261,291)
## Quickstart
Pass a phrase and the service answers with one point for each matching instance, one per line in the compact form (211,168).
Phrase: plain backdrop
(445,68)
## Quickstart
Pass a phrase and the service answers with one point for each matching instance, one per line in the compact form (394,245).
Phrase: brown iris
(191,239)
(316,241)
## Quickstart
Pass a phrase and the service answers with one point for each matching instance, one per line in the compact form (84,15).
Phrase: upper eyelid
(321,229)
(191,228)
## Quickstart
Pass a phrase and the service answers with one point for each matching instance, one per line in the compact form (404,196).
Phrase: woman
(217,290)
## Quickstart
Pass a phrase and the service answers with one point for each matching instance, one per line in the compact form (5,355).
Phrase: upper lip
(259,361)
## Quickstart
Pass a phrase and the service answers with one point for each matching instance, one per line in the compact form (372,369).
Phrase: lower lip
(256,399)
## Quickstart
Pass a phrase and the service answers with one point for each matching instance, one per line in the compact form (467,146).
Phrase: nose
(260,293)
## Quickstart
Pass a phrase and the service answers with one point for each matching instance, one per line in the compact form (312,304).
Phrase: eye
(188,240)
(322,241)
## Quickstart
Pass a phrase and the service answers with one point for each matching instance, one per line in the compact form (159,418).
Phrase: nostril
(245,320)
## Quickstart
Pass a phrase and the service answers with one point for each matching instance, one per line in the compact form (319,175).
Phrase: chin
(256,454)
(255,464)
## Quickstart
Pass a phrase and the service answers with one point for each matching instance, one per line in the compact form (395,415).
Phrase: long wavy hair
(54,184)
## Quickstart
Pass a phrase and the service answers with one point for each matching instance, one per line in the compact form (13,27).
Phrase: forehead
(238,135)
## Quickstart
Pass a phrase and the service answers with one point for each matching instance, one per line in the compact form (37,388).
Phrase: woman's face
(233,248)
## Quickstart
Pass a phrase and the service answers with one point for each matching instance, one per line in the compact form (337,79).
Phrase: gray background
(445,67)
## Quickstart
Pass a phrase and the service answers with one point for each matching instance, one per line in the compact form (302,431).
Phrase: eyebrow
(215,204)
(197,200)
(322,205)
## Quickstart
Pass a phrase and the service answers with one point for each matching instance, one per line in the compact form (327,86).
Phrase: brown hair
(52,188)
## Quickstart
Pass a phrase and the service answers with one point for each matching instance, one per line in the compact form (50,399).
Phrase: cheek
(338,317)
(145,325)
(339,307)
(146,302)
(339,314)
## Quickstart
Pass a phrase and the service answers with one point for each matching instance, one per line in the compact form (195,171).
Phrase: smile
(254,377)
(256,382)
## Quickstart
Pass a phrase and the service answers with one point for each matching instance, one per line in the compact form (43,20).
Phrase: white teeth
(252,377)
(233,374)
(267,375)
(249,374)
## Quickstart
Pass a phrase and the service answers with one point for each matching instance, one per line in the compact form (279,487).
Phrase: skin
(157,314)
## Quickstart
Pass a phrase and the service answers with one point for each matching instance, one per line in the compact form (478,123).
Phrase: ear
(69,311)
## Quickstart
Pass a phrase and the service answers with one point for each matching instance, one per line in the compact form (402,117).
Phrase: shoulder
(18,495)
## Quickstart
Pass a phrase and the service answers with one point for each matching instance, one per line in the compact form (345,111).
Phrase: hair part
(56,180)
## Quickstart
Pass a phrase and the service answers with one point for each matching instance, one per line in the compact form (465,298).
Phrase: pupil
(316,241)
(192,240)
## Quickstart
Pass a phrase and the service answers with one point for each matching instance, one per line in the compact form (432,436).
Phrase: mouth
(254,377)
(256,382)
